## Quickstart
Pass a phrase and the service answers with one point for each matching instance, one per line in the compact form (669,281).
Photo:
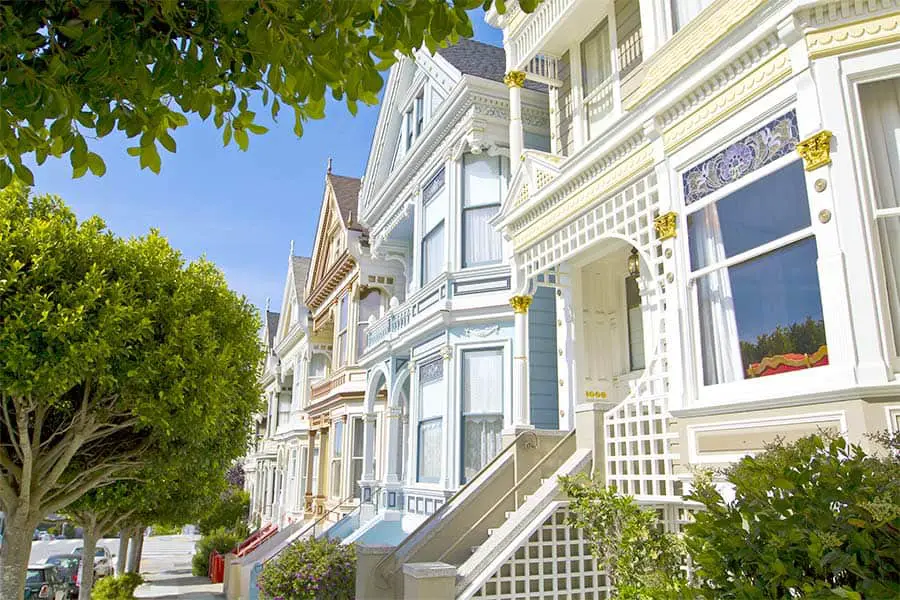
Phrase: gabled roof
(271,326)
(346,192)
(300,268)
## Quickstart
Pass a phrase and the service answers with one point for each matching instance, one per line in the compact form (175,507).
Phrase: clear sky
(240,209)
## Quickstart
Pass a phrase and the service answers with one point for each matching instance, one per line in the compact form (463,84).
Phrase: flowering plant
(313,569)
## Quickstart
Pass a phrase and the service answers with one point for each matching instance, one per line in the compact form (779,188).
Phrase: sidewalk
(179,584)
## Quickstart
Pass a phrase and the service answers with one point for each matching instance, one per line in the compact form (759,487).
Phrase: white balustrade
(525,40)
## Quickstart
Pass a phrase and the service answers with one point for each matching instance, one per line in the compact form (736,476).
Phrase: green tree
(229,510)
(114,352)
(817,518)
(642,561)
(71,70)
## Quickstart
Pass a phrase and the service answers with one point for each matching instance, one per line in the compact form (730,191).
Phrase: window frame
(503,183)
(419,479)
(341,335)
(337,458)
(628,308)
(501,351)
(357,424)
(439,227)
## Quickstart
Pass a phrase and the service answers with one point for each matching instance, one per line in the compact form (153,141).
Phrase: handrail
(445,506)
(513,490)
(314,523)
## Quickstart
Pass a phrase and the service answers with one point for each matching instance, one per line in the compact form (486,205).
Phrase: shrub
(220,540)
(165,530)
(120,587)
(817,518)
(629,542)
(230,510)
(312,569)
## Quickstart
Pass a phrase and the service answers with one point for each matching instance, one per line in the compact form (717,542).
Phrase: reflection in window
(337,452)
(484,185)
(762,315)
(596,75)
(431,416)
(434,211)
(880,103)
(482,405)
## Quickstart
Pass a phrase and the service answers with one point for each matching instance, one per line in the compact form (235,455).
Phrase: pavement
(165,565)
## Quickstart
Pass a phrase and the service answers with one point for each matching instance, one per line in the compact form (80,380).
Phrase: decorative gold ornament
(824,216)
(665,226)
(816,150)
(446,352)
(520,304)
(668,253)
(820,185)
(515,79)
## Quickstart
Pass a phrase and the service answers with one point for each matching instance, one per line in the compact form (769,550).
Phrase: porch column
(515,80)
(308,493)
(324,462)
(521,399)
(367,484)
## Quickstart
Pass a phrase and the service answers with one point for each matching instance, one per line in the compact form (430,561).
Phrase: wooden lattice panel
(555,562)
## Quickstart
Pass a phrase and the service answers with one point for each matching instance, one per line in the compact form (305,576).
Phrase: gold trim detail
(520,304)
(602,187)
(514,79)
(854,36)
(815,150)
(728,101)
(665,226)
(698,36)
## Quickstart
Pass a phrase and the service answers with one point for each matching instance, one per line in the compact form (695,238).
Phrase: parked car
(45,537)
(103,564)
(45,582)
(69,567)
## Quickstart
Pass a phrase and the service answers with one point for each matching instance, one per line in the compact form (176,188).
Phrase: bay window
(753,260)
(432,397)
(482,407)
(880,102)
(484,186)
(434,211)
(337,454)
(343,318)
(597,77)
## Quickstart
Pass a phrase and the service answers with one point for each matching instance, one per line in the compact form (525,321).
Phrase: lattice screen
(556,562)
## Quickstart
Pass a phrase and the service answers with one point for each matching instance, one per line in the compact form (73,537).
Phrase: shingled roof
(272,325)
(300,268)
(346,190)
(476,58)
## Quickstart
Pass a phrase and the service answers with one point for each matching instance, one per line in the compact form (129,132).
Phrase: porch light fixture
(634,263)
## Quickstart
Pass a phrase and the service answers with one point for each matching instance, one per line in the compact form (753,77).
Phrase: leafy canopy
(71,70)
(817,518)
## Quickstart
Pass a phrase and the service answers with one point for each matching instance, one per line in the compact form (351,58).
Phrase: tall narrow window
(315,471)
(881,115)
(343,318)
(304,469)
(434,200)
(597,77)
(484,185)
(432,397)
(482,404)
(356,455)
(635,324)
(761,315)
(291,494)
(420,112)
(410,131)
(369,306)
(337,457)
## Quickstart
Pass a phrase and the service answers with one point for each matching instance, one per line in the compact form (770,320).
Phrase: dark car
(45,582)
(69,567)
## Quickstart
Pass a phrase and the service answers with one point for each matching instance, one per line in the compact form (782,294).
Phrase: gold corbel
(815,150)
(514,79)
(665,225)
(520,304)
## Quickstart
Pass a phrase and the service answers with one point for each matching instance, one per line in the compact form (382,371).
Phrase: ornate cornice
(858,35)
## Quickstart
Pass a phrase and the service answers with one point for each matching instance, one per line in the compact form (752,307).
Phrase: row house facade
(670,236)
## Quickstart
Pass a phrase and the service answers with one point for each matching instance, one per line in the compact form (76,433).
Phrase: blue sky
(240,209)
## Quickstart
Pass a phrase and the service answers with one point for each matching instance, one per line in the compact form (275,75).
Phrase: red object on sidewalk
(216,567)
(252,542)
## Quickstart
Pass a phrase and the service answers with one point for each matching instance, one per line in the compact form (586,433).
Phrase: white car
(103,564)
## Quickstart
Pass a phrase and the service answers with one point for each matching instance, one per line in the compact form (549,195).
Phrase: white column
(515,80)
(521,398)
(368,473)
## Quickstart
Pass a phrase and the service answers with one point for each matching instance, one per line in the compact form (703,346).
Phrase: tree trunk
(15,553)
(124,538)
(137,548)
(89,547)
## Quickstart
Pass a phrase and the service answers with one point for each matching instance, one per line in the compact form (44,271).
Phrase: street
(165,564)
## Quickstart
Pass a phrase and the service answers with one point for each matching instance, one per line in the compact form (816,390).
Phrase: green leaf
(150,158)
(79,172)
(242,139)
(257,129)
(178,119)
(6,174)
(134,150)
(226,134)
(96,165)
(168,142)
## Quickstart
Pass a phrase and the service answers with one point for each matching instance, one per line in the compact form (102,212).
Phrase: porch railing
(526,39)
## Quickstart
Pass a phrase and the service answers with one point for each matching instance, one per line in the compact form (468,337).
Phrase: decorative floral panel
(431,371)
(768,143)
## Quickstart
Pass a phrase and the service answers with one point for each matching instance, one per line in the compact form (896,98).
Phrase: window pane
(481,180)
(635,324)
(685,10)
(431,390)
(336,479)
(430,450)
(760,212)
(763,316)
(481,442)
(433,254)
(342,313)
(420,113)
(337,444)
(358,429)
(596,63)
(483,381)
(356,475)
(482,243)
(342,350)
(434,186)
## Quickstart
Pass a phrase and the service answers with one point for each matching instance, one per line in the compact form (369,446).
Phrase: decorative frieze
(777,138)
